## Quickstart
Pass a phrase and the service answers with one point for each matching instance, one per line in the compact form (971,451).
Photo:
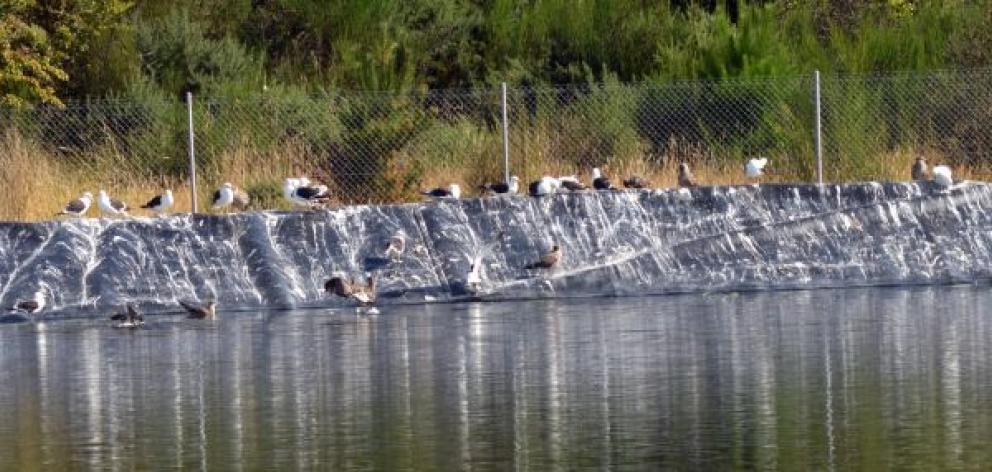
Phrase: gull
(77,207)
(452,191)
(548,260)
(395,247)
(111,206)
(502,187)
(130,318)
(241,199)
(686,179)
(942,176)
(571,183)
(473,280)
(160,203)
(545,186)
(635,182)
(33,305)
(919,170)
(756,167)
(301,192)
(223,197)
(364,294)
(600,181)
(207,310)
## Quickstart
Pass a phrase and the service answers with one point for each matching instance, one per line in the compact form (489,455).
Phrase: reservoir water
(873,378)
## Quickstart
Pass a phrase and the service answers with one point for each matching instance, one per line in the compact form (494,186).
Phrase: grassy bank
(40,182)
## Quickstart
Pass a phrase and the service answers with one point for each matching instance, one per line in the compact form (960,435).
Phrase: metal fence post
(506,138)
(817,131)
(192,150)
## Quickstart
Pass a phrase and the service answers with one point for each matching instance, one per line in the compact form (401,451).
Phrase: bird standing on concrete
(755,167)
(544,186)
(223,197)
(919,170)
(33,305)
(600,181)
(571,183)
(453,191)
(301,192)
(548,260)
(686,179)
(111,206)
(160,203)
(942,176)
(77,207)
(395,247)
(503,187)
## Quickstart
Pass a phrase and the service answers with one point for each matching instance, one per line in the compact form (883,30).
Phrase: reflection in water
(874,378)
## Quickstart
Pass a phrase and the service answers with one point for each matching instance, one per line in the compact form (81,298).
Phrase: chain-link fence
(385,147)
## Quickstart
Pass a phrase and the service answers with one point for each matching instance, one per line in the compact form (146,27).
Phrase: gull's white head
(596,173)
(87,196)
(455,190)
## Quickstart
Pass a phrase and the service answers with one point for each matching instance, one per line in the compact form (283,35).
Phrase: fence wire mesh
(874,127)
(385,147)
(647,130)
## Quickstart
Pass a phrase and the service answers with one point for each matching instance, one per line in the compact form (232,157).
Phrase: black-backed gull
(503,187)
(160,203)
(452,191)
(600,181)
(571,183)
(111,206)
(223,197)
(545,186)
(77,207)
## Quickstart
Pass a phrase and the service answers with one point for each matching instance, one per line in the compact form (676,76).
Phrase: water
(831,379)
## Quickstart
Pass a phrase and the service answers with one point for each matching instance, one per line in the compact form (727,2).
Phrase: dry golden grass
(35,184)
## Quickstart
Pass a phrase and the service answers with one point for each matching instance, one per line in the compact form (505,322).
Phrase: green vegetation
(626,84)
(95,47)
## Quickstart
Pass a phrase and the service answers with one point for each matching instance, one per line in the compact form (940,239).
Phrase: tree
(29,70)
(44,44)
